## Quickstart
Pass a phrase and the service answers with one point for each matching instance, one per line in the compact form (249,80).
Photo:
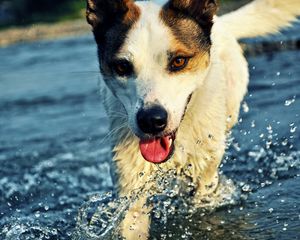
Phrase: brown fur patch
(199,57)
(189,39)
(133,13)
(200,61)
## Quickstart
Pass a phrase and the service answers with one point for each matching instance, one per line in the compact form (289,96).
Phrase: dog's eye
(123,68)
(178,63)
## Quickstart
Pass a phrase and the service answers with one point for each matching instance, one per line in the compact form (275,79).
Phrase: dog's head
(152,58)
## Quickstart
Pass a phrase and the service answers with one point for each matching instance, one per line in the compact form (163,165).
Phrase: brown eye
(123,68)
(178,63)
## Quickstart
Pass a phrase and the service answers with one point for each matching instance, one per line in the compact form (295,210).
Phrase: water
(54,164)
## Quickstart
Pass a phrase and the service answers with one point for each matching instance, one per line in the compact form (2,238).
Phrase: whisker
(118,114)
(113,131)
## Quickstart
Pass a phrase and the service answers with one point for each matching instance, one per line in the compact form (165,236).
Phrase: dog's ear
(102,14)
(202,11)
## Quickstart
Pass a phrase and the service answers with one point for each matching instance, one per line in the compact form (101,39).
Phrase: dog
(173,79)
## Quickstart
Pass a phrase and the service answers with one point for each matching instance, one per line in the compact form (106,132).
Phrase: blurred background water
(53,160)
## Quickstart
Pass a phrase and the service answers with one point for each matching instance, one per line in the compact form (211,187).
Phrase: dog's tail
(261,17)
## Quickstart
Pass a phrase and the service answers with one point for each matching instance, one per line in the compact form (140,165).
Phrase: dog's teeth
(170,142)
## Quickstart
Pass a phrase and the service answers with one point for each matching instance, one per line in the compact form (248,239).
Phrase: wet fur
(217,80)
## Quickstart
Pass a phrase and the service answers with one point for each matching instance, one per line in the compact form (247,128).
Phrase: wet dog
(173,78)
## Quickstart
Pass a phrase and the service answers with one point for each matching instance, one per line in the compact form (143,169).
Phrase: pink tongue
(156,150)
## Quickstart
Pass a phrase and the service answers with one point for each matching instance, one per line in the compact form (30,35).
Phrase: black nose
(152,120)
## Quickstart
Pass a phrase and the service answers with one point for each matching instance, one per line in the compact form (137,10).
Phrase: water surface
(53,158)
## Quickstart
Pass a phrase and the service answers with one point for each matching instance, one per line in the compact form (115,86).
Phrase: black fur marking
(111,21)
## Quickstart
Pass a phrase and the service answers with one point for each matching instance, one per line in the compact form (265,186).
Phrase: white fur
(214,107)
(261,17)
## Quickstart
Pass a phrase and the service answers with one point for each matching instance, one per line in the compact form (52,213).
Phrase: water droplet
(236,147)
(271,210)
(157,214)
(246,188)
(289,102)
(181,148)
(293,129)
(268,143)
(245,107)
(284,142)
(269,128)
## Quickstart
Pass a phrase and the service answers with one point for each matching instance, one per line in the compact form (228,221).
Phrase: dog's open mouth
(159,149)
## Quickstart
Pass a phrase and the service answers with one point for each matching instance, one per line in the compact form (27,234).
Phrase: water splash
(28,231)
(100,217)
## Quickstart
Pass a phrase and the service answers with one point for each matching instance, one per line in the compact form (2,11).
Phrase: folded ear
(202,11)
(103,14)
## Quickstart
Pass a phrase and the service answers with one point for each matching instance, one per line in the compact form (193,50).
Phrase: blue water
(53,158)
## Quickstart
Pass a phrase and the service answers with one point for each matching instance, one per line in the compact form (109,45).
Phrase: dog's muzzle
(152,121)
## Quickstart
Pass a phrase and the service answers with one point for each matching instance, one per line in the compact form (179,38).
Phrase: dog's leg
(136,222)
(208,184)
